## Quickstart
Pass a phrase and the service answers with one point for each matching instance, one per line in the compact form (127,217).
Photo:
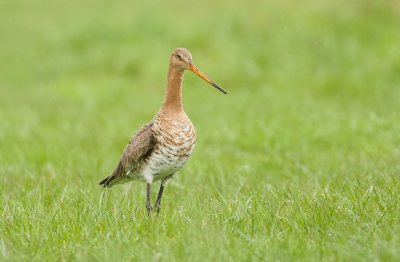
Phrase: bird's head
(181,59)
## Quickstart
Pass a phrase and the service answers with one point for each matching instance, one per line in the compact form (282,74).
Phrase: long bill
(204,77)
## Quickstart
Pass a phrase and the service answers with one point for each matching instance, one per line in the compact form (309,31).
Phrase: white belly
(166,161)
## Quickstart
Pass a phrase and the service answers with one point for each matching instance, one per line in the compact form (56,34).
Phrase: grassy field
(300,162)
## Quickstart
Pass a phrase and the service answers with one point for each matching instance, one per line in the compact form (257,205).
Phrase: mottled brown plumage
(162,147)
(136,152)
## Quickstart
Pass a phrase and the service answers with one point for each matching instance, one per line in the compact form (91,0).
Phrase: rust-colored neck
(173,95)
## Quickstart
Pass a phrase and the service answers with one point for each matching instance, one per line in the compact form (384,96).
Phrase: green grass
(300,161)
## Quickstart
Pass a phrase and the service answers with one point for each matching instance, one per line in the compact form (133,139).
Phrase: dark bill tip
(218,87)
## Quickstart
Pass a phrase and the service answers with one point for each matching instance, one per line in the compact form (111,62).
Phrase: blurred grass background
(299,162)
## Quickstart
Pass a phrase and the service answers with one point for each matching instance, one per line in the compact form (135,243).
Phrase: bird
(161,147)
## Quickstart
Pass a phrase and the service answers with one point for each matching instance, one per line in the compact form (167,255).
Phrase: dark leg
(148,203)
(158,202)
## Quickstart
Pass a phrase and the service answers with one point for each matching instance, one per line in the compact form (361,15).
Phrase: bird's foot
(158,206)
(149,208)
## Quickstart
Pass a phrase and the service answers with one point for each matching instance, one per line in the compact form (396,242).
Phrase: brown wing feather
(140,146)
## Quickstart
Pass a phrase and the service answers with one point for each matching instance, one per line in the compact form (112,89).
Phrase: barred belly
(169,155)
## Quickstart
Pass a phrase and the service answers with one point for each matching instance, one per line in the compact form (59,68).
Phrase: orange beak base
(205,78)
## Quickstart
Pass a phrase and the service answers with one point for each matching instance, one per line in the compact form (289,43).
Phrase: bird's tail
(114,178)
(106,182)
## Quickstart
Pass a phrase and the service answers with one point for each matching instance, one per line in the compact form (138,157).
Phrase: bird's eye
(179,57)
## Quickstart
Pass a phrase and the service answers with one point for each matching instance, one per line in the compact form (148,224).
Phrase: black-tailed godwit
(162,147)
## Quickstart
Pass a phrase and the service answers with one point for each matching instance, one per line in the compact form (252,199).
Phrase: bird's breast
(175,142)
